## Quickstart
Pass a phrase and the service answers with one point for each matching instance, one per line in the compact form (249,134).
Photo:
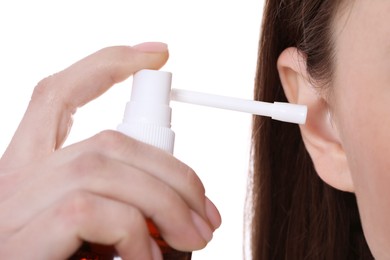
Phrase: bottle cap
(147,115)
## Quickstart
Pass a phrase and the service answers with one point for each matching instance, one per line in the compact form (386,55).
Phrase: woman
(320,191)
(329,54)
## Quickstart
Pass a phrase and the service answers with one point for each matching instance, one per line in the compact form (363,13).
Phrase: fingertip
(213,214)
(151,55)
(151,47)
(202,227)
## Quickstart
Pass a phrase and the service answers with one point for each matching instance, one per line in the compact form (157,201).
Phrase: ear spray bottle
(147,118)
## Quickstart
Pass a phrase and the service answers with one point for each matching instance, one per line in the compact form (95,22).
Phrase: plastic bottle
(147,118)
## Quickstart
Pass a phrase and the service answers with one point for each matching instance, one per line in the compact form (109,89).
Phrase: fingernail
(203,228)
(213,214)
(151,47)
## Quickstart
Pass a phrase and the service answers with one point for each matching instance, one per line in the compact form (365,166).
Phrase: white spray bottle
(147,118)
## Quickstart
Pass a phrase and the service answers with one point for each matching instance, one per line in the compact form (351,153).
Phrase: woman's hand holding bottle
(101,189)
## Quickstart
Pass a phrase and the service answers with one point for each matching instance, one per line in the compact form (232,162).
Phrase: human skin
(348,124)
(101,189)
(360,107)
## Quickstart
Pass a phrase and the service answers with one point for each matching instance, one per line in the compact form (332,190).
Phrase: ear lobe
(319,134)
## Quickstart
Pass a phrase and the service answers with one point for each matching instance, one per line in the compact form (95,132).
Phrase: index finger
(48,118)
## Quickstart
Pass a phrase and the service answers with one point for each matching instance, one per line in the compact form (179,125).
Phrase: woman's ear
(319,134)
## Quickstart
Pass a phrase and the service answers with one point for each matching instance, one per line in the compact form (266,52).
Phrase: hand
(99,190)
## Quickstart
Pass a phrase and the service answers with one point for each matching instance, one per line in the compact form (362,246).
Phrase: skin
(99,190)
(348,123)
(360,108)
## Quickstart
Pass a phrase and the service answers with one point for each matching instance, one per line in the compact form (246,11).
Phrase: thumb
(55,99)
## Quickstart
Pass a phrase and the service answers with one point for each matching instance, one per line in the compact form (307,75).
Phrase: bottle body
(97,252)
(89,251)
(147,118)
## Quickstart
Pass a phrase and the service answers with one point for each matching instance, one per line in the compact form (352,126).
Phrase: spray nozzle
(286,112)
(147,115)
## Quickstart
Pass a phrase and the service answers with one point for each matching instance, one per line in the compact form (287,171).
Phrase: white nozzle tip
(291,113)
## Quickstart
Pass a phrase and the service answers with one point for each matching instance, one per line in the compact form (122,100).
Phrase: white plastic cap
(291,113)
(147,115)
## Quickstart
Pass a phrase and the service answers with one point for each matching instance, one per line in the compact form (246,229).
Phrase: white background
(213,48)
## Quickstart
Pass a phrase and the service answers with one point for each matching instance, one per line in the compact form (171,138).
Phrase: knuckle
(169,200)
(43,89)
(108,140)
(76,208)
(48,91)
(135,219)
(52,91)
(87,163)
(193,181)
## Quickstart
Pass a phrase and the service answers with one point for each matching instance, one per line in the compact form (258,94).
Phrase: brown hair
(295,214)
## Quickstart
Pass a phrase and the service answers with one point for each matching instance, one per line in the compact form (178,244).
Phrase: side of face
(361,111)
(347,132)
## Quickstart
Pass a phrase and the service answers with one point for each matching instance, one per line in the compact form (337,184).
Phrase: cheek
(362,115)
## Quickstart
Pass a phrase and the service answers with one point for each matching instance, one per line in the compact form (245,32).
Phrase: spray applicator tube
(280,111)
